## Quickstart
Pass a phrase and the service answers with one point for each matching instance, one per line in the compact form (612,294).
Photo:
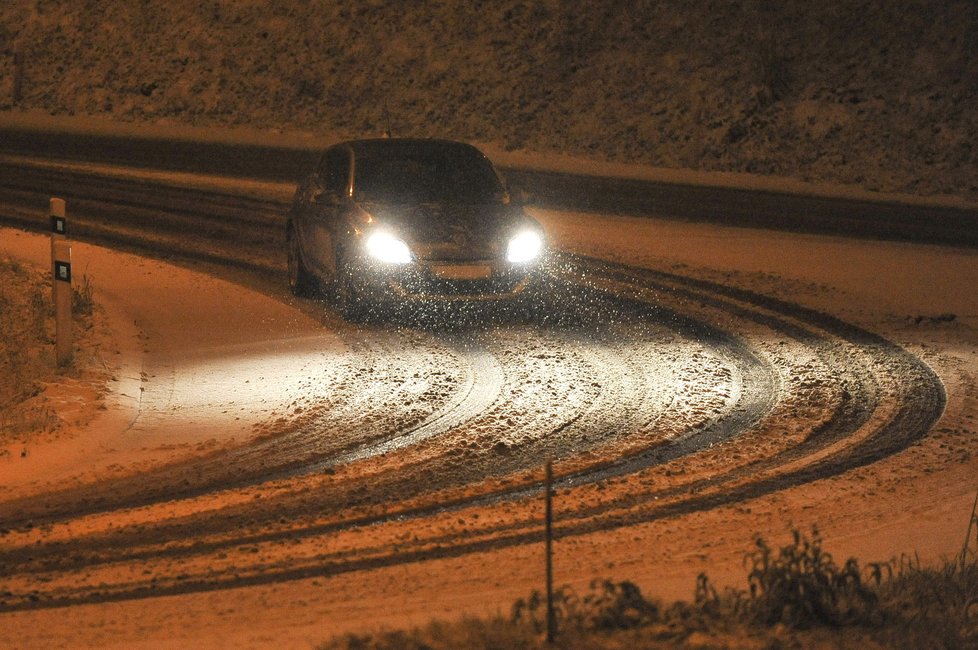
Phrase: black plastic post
(62,303)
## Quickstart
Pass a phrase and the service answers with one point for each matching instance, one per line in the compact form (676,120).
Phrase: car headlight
(387,248)
(524,247)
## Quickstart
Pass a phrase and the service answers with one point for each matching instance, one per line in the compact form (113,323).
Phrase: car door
(327,200)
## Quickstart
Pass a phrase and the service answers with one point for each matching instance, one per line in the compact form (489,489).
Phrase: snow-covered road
(260,459)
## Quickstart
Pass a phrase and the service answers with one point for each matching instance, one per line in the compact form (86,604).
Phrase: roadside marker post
(59,224)
(62,303)
(61,267)
(551,615)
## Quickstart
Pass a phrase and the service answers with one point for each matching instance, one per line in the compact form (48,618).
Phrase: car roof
(380,146)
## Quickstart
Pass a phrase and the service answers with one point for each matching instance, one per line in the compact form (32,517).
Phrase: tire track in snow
(893,398)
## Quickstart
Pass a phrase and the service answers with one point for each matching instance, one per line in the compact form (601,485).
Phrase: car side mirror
(523,196)
(324,198)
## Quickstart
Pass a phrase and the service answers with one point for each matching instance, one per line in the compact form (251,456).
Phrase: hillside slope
(881,95)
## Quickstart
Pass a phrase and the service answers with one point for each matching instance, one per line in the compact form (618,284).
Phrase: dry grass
(26,353)
(27,360)
(83,297)
(802,586)
(498,632)
(797,596)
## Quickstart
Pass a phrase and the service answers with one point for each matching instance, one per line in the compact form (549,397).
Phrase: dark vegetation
(797,596)
(27,360)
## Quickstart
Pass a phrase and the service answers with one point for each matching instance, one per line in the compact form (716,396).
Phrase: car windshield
(413,175)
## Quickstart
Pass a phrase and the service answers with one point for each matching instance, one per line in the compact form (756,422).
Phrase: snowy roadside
(306,142)
(166,398)
(902,279)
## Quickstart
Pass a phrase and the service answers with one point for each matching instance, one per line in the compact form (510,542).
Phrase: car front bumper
(446,281)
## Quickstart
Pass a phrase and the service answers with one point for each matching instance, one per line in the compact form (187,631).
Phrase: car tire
(345,297)
(301,281)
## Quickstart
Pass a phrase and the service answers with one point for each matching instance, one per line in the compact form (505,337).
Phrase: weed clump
(606,606)
(934,607)
(802,586)
(83,297)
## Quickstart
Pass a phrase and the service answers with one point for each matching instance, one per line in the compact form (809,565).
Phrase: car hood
(451,231)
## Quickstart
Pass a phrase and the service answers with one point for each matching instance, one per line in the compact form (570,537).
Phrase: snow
(855,99)
(198,346)
(874,95)
(183,350)
(901,278)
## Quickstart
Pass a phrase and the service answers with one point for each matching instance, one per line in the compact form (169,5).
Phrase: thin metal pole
(551,615)
(967,536)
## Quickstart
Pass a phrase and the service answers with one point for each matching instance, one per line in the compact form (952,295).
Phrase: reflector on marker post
(62,270)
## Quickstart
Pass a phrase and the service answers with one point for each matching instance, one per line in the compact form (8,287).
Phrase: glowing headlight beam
(524,247)
(387,248)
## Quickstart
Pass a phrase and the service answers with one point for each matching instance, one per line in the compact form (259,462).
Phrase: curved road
(655,393)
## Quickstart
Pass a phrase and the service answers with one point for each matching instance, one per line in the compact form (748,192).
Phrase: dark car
(409,220)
